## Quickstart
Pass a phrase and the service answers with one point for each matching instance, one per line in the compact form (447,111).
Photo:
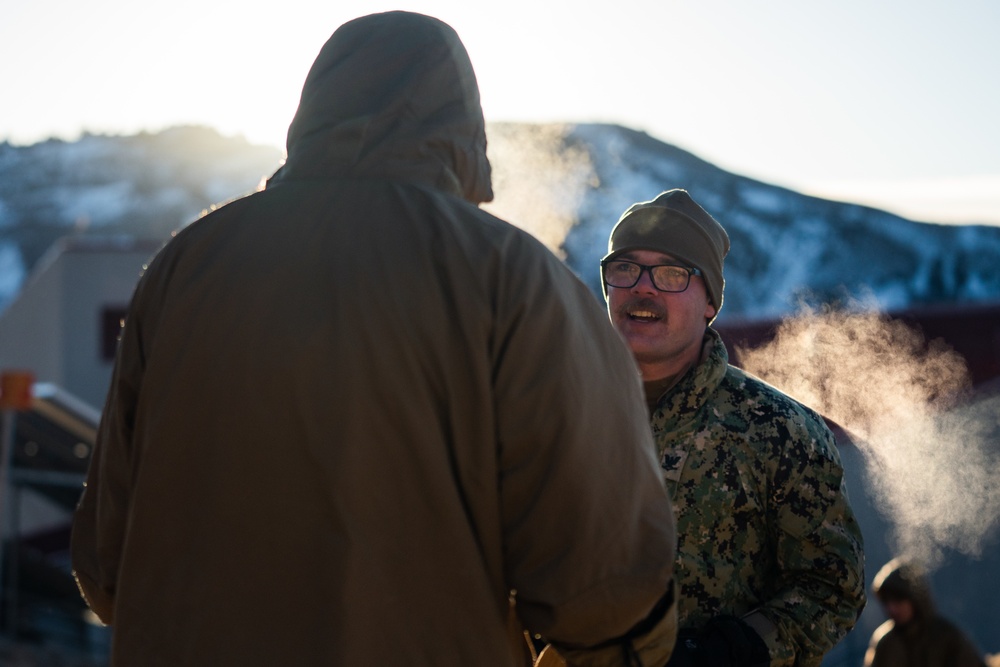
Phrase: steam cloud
(538,179)
(927,452)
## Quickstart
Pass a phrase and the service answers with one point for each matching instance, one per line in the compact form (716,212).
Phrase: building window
(112,318)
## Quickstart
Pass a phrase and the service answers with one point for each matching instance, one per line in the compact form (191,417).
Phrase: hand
(726,641)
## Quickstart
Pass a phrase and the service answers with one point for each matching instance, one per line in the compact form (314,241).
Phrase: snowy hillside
(565,184)
(786,247)
(145,185)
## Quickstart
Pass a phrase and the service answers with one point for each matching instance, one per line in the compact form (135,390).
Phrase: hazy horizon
(892,105)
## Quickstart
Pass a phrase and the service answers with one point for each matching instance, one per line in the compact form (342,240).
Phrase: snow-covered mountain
(786,247)
(144,185)
(567,184)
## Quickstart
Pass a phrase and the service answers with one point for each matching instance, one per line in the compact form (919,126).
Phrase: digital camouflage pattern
(763,519)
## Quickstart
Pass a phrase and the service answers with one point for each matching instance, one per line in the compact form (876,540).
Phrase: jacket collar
(681,403)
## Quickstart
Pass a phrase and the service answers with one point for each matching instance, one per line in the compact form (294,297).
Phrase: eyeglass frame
(648,268)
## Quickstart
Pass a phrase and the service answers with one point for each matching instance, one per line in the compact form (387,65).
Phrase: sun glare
(754,90)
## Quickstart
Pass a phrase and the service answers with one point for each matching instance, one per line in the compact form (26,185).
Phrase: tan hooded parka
(351,412)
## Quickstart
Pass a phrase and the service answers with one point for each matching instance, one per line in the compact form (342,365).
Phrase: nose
(645,283)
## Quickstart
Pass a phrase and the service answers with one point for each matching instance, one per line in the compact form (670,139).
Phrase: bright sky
(890,102)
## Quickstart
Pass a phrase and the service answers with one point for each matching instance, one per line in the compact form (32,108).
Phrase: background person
(769,559)
(915,634)
(350,413)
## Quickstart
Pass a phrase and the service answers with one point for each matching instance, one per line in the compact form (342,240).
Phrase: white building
(63,328)
(64,324)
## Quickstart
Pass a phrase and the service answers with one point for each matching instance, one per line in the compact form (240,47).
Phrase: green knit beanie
(675,224)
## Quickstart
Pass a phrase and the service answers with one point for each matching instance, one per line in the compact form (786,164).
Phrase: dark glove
(726,641)
(684,650)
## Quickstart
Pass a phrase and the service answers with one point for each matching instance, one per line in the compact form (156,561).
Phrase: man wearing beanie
(769,561)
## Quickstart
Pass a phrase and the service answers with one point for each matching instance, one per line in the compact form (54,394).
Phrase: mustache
(633,305)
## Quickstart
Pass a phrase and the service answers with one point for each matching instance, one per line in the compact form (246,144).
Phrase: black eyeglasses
(665,277)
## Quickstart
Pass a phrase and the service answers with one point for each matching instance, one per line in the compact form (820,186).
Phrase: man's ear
(709,311)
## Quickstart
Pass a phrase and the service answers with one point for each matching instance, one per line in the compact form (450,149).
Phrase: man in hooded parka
(915,634)
(351,413)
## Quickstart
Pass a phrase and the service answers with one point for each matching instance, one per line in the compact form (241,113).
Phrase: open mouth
(642,315)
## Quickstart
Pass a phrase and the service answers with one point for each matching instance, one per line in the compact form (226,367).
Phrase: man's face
(900,611)
(664,330)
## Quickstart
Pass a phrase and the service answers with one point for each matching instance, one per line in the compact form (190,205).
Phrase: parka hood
(392,95)
(904,580)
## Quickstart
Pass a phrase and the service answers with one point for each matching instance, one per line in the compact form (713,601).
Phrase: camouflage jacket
(765,530)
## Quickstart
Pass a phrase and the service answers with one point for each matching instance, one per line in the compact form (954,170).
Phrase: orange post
(15,390)
(15,396)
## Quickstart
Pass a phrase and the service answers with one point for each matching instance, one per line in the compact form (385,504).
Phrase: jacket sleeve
(588,526)
(820,588)
(100,518)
